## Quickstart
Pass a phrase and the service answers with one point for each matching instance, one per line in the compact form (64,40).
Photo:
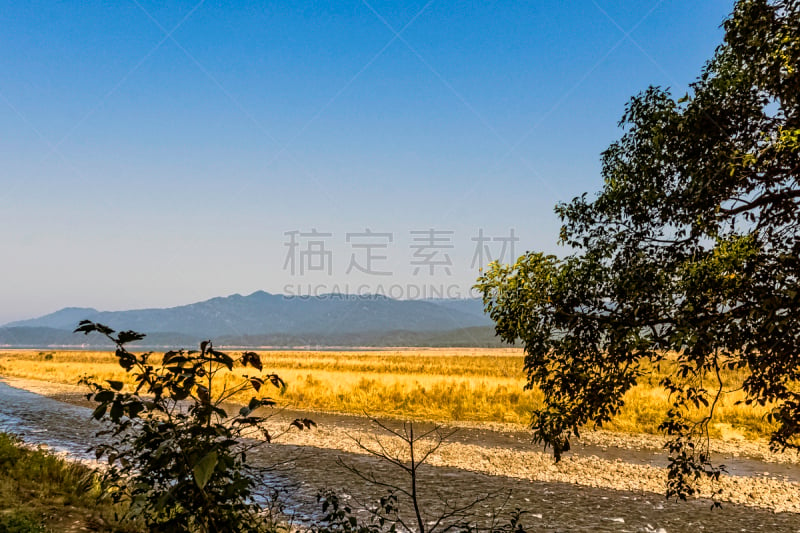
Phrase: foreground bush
(174,452)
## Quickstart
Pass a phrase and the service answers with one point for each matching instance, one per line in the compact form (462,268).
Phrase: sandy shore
(576,468)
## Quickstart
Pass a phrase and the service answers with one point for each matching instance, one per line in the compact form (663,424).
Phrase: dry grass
(482,385)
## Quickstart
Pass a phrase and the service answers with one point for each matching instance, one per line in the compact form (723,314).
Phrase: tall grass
(41,492)
(481,385)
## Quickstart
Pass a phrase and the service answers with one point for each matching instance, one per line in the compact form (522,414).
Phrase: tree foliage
(175,454)
(690,255)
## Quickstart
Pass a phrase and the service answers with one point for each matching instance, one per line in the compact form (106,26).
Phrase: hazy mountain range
(263,319)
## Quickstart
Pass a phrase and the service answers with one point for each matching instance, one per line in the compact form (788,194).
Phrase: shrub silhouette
(175,454)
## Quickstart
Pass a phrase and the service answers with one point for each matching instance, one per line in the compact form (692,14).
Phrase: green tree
(175,454)
(690,252)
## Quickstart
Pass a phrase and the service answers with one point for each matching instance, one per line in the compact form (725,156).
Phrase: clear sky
(160,153)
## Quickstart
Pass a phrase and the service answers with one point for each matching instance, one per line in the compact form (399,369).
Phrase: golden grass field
(478,385)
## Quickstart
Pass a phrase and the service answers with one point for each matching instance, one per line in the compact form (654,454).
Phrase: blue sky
(157,153)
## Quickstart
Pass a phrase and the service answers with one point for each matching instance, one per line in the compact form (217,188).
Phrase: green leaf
(222,358)
(125,337)
(204,468)
(99,411)
(173,357)
(87,326)
(116,411)
(116,385)
(252,359)
(104,396)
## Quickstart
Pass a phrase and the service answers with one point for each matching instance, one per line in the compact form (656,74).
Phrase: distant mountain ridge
(262,315)
(61,319)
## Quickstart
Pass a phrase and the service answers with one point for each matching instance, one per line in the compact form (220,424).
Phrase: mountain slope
(262,313)
(66,318)
(470,306)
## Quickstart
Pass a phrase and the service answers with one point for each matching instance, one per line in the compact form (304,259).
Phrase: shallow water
(41,420)
(299,472)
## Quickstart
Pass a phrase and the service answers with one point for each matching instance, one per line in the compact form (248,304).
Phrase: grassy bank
(481,385)
(40,493)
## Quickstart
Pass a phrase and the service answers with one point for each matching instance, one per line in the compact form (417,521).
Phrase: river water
(299,472)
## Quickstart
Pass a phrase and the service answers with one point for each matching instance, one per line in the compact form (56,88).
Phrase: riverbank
(41,492)
(297,472)
(601,459)
(731,446)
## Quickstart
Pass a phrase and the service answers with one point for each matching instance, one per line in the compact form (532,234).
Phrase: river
(300,471)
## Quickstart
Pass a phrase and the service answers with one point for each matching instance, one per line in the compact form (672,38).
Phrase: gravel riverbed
(596,475)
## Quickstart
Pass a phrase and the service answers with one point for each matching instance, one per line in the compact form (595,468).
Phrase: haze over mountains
(263,319)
